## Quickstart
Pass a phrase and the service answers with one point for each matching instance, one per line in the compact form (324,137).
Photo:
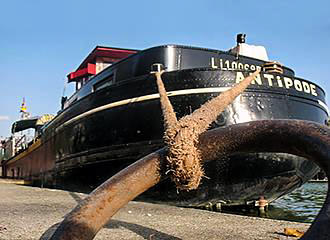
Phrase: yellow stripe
(30,149)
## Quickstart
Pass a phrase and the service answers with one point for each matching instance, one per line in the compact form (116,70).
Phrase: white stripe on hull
(144,98)
(155,96)
(324,106)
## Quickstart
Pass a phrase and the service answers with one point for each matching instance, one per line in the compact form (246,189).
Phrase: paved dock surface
(33,213)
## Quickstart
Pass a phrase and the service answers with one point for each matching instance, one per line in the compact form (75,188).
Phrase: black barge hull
(102,132)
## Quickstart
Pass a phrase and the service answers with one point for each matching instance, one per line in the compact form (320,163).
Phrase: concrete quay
(33,213)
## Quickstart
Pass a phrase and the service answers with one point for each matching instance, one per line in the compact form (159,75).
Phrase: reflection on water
(301,205)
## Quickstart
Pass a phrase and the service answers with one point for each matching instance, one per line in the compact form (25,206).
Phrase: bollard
(262,203)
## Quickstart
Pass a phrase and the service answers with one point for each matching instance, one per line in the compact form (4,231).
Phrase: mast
(23,110)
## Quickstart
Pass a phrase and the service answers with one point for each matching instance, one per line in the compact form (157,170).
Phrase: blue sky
(42,41)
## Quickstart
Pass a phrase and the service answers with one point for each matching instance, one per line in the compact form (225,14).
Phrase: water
(301,205)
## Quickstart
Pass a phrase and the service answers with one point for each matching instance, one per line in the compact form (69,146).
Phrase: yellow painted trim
(30,149)
(15,181)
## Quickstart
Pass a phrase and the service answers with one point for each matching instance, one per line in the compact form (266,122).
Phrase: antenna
(64,87)
(63,98)
(240,38)
(23,106)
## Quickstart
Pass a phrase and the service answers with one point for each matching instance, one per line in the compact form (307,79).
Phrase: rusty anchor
(302,138)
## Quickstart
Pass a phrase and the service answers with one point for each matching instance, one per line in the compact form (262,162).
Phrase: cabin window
(78,85)
(103,83)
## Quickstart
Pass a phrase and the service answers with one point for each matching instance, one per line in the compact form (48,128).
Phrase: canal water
(301,205)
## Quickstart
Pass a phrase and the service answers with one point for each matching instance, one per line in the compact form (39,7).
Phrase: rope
(182,137)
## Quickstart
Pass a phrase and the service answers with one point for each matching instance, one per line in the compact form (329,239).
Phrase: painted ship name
(271,80)
(264,79)
(232,65)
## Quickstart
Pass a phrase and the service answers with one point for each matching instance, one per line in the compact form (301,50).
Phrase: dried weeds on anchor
(181,136)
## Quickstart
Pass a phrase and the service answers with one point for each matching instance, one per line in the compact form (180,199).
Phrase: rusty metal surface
(303,138)
(307,139)
(95,211)
(36,162)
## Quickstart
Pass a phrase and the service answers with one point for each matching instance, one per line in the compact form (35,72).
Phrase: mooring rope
(184,160)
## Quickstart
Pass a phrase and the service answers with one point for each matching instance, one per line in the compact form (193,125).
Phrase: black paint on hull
(104,130)
(235,180)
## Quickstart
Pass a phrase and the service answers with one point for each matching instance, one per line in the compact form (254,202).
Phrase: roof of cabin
(111,52)
(87,67)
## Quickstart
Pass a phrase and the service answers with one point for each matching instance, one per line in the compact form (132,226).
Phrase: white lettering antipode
(285,82)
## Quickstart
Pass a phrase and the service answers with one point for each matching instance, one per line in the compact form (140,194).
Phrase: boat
(320,176)
(114,118)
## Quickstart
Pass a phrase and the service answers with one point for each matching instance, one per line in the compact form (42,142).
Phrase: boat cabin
(99,59)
